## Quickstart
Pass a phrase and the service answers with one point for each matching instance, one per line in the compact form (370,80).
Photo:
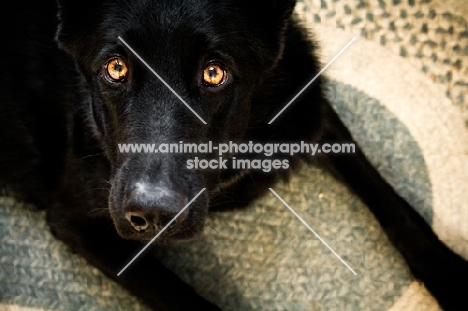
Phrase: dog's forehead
(160,30)
(242,30)
(166,19)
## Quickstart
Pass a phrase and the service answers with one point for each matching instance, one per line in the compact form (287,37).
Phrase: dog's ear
(269,20)
(76,19)
(276,12)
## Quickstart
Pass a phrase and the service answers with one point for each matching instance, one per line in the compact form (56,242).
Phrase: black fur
(61,121)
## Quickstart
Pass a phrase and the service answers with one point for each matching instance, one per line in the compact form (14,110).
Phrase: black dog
(66,106)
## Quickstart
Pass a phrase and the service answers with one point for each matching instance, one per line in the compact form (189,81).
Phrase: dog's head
(213,54)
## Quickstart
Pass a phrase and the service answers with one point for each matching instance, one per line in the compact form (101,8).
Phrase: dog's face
(214,54)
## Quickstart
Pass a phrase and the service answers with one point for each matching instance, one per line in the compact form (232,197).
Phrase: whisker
(98,212)
(92,155)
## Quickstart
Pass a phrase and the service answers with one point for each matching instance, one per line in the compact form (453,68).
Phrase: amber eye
(214,75)
(117,69)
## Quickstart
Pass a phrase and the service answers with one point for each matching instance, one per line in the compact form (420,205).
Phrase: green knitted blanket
(402,88)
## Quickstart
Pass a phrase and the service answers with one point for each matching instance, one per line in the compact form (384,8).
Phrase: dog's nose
(151,208)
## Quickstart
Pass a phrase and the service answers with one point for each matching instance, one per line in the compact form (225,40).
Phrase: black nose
(149,208)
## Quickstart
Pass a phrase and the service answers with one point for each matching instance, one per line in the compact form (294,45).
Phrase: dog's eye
(116,69)
(214,75)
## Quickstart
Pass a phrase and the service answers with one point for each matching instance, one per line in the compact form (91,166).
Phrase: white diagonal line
(160,232)
(161,79)
(311,81)
(313,231)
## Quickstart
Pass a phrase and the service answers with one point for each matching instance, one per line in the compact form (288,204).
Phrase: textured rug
(402,87)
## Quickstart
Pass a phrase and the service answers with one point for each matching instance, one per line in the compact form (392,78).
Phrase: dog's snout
(137,220)
(150,208)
